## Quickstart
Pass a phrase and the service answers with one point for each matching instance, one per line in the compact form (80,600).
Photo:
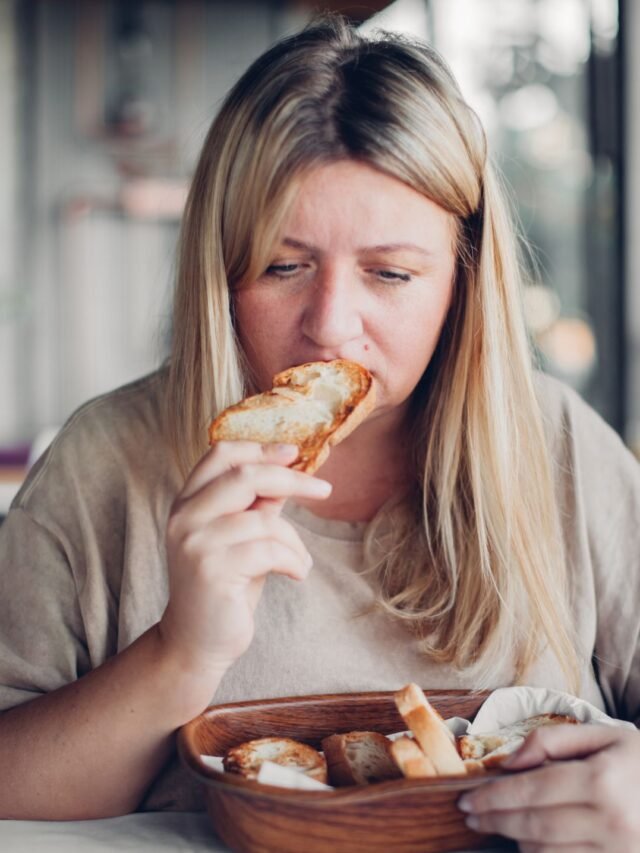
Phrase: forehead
(355,201)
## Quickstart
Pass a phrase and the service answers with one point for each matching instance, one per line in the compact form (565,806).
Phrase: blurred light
(604,24)
(569,350)
(528,107)
(158,199)
(565,27)
(561,144)
(541,307)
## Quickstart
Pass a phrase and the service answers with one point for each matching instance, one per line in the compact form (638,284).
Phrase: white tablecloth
(152,832)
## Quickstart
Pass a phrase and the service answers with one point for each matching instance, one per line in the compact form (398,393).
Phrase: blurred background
(104,105)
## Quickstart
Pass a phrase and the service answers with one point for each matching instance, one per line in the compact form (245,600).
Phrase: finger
(237,489)
(555,784)
(560,742)
(262,556)
(225,455)
(273,506)
(252,525)
(561,825)
(254,591)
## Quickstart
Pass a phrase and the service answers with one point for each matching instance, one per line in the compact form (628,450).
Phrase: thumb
(560,742)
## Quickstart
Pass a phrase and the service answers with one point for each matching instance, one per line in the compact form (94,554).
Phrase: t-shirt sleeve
(615,545)
(42,642)
(607,505)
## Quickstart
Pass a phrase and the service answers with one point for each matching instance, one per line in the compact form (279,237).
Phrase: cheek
(417,326)
(253,316)
(264,327)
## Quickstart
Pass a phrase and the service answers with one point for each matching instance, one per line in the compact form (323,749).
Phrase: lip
(310,359)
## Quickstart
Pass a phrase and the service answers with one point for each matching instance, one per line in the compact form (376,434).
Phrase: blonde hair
(474,560)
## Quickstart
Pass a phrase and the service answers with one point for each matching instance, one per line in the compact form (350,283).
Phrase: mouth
(326,360)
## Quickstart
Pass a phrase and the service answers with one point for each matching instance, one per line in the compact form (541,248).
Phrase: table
(152,832)
(147,832)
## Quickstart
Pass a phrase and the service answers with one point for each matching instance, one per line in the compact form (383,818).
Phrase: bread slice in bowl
(491,749)
(247,758)
(359,758)
(314,406)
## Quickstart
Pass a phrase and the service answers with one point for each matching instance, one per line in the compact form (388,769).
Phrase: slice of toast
(359,758)
(411,760)
(430,730)
(493,748)
(247,758)
(314,406)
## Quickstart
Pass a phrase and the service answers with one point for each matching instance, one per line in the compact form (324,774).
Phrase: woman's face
(364,271)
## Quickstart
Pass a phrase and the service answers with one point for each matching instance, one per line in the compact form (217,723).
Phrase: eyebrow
(387,248)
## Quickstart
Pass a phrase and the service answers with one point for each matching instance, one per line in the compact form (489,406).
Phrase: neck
(366,470)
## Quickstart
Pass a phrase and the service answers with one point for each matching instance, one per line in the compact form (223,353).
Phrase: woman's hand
(584,799)
(224,536)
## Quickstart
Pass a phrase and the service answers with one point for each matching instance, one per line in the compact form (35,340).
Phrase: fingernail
(472,821)
(465,804)
(323,487)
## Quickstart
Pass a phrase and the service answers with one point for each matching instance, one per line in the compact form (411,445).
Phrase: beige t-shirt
(83,573)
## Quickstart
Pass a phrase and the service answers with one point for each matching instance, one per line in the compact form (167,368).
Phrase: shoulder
(108,441)
(568,419)
(590,459)
(131,410)
(561,405)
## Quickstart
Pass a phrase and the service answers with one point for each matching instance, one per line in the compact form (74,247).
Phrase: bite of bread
(314,406)
(428,750)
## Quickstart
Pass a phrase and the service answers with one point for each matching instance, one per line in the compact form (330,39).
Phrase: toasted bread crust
(313,443)
(433,736)
(247,758)
(411,760)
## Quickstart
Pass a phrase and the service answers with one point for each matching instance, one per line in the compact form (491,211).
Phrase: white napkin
(271,773)
(509,705)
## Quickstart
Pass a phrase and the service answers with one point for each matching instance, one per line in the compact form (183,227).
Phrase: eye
(283,270)
(392,275)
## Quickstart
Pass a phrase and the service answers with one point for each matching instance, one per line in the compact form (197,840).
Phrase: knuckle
(220,449)
(539,825)
(175,523)
(242,473)
(604,780)
(266,522)
(620,823)
(190,544)
(261,552)
(274,553)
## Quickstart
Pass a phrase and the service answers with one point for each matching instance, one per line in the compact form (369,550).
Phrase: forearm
(92,748)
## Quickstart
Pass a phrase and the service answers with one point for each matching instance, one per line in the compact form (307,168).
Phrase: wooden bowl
(403,815)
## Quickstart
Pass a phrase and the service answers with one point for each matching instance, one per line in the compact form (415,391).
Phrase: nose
(333,312)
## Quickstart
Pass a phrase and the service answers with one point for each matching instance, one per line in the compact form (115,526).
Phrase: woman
(463,536)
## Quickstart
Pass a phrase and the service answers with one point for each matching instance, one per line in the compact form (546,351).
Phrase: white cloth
(150,832)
